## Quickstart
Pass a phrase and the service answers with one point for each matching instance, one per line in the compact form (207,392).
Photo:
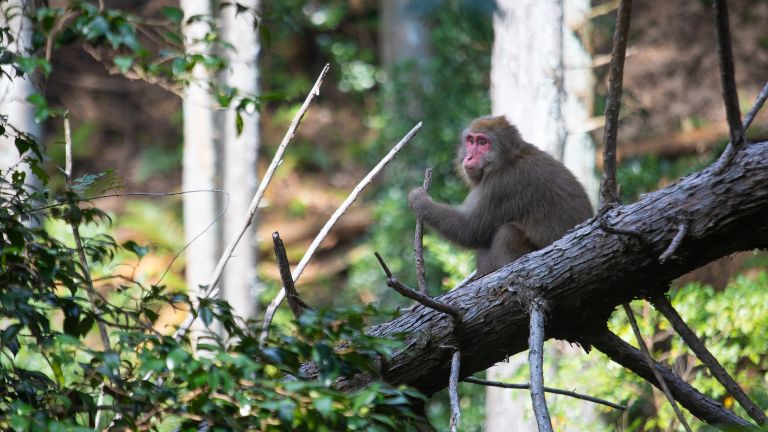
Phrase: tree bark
(587,273)
(239,171)
(199,162)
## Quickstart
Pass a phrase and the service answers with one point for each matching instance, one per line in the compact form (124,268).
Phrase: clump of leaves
(55,374)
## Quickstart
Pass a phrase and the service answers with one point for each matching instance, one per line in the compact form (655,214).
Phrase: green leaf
(123,63)
(323,405)
(22,145)
(140,251)
(175,15)
(239,123)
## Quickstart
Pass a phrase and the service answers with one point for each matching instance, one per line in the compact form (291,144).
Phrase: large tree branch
(587,273)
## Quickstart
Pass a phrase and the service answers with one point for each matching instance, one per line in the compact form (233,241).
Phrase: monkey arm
(466,229)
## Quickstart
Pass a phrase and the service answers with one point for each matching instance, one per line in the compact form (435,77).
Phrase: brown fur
(520,201)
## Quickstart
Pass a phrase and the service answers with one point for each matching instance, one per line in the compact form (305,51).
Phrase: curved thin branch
(552,390)
(272,308)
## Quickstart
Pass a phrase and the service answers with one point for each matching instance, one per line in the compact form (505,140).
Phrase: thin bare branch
(418,243)
(453,390)
(752,113)
(213,290)
(650,362)
(662,304)
(272,308)
(536,365)
(412,294)
(296,304)
(682,231)
(608,189)
(698,404)
(727,79)
(574,395)
(89,289)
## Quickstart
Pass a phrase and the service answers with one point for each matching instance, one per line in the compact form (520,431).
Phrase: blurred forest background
(672,123)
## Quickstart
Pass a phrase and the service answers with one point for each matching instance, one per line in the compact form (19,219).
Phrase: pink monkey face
(477,145)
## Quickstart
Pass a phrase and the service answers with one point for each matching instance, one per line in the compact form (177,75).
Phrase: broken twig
(412,294)
(297,305)
(682,230)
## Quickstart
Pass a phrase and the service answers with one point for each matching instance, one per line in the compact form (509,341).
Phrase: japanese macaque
(521,199)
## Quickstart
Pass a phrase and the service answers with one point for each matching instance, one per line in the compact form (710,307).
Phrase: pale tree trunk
(239,170)
(199,163)
(403,36)
(541,80)
(14,92)
(404,41)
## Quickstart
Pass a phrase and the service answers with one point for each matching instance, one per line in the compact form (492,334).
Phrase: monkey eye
(482,141)
(470,139)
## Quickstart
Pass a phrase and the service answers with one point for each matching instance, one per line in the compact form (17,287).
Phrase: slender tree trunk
(14,92)
(239,169)
(199,163)
(541,81)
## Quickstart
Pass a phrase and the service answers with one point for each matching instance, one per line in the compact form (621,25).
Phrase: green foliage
(53,367)
(56,372)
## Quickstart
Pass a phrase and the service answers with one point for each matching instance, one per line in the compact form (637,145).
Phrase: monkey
(521,199)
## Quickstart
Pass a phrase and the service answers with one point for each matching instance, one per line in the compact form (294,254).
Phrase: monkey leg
(510,242)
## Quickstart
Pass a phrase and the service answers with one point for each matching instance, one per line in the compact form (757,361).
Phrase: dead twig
(682,231)
(728,85)
(752,113)
(552,390)
(272,308)
(427,301)
(662,304)
(727,79)
(418,241)
(650,362)
(608,189)
(453,390)
(297,305)
(536,363)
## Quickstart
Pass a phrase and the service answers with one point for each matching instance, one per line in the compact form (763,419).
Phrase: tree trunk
(595,267)
(541,80)
(199,162)
(14,92)
(239,170)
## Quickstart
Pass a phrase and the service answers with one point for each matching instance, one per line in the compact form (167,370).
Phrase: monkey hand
(418,200)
